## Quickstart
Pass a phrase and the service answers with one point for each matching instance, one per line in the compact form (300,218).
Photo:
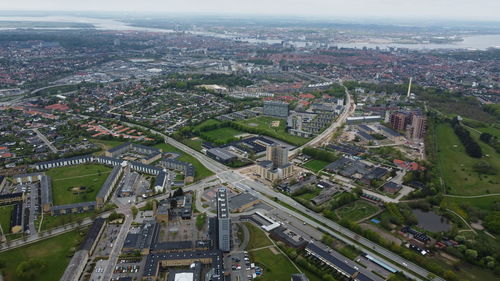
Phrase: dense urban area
(203,149)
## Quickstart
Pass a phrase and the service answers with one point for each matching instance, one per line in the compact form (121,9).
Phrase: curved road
(334,229)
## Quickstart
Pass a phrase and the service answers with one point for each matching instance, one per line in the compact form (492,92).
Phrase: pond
(431,221)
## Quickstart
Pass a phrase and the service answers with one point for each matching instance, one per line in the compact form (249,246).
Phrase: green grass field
(5,214)
(316,165)
(65,178)
(457,167)
(201,171)
(357,210)
(224,135)
(264,123)
(491,130)
(206,123)
(55,253)
(194,143)
(105,144)
(258,238)
(55,221)
(276,267)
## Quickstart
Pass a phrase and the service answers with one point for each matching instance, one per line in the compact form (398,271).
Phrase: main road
(243,182)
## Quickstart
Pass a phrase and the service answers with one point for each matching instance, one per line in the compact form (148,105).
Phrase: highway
(241,181)
(235,178)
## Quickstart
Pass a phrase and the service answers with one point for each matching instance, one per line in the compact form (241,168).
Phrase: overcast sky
(435,9)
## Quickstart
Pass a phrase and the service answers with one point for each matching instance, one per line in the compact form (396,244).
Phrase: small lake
(431,221)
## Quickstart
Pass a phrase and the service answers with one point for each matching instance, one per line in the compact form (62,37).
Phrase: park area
(357,210)
(42,261)
(316,165)
(5,214)
(458,169)
(262,251)
(77,183)
(267,126)
(221,136)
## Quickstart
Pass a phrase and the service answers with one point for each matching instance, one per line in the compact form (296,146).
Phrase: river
(476,42)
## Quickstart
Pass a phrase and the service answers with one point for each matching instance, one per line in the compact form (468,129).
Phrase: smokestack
(409,89)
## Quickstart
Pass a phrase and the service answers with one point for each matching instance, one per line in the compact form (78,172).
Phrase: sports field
(224,135)
(357,210)
(265,125)
(207,123)
(457,168)
(53,253)
(66,181)
(316,165)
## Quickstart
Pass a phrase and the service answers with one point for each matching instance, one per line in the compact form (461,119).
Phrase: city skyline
(482,10)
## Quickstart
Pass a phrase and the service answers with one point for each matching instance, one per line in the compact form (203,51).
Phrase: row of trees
(490,140)
(320,154)
(471,146)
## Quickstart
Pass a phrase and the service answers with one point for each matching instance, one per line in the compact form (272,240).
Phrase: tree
(135,211)
(29,269)
(471,254)
(178,192)
(492,222)
(486,137)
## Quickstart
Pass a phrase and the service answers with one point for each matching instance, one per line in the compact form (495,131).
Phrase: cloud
(439,9)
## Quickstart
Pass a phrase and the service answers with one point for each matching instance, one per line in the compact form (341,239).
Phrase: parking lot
(241,267)
(129,268)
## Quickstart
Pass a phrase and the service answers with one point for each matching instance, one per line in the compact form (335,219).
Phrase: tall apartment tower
(399,121)
(223,221)
(418,126)
(277,154)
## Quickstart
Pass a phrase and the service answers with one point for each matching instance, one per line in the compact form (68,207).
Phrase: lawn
(55,254)
(258,238)
(223,135)
(357,210)
(264,123)
(5,214)
(106,144)
(195,143)
(201,171)
(206,123)
(316,165)
(91,176)
(492,130)
(276,267)
(50,222)
(457,167)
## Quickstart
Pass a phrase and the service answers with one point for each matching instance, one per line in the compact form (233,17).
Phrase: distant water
(478,42)
(99,23)
(431,221)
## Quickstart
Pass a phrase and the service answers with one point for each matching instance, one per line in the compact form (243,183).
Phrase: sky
(475,10)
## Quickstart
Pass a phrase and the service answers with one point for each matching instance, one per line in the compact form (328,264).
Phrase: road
(340,232)
(120,239)
(45,140)
(255,188)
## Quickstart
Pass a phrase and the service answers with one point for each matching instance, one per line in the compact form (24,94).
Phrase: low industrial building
(241,202)
(222,155)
